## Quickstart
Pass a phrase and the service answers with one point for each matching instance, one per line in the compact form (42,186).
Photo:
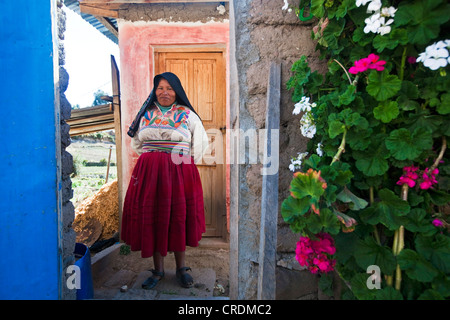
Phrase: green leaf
(391,41)
(345,246)
(356,203)
(409,89)
(344,175)
(307,184)
(368,252)
(359,287)
(348,96)
(442,285)
(406,146)
(417,222)
(312,162)
(408,95)
(359,139)
(325,221)
(416,267)
(407,104)
(389,210)
(444,106)
(388,293)
(335,128)
(318,8)
(362,38)
(332,33)
(435,249)
(382,85)
(291,208)
(372,162)
(386,111)
(424,19)
(439,197)
(430,294)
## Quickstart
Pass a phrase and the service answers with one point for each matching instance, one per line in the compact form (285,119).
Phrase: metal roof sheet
(75,6)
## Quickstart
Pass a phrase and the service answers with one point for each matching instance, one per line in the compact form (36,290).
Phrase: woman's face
(165,94)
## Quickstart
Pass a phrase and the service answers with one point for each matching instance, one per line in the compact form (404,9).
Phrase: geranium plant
(372,188)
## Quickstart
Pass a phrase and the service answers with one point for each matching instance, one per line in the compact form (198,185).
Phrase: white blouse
(179,125)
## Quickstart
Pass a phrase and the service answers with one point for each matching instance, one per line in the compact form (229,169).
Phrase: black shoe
(184,279)
(151,282)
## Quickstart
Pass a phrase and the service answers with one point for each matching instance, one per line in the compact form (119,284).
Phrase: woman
(163,208)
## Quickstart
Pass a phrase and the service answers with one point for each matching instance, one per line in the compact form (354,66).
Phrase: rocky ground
(209,263)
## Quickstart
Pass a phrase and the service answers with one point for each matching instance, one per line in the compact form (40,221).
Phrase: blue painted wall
(29,256)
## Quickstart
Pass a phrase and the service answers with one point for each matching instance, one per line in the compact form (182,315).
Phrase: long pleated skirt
(163,207)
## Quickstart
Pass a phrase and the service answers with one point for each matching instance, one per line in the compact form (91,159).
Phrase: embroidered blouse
(177,127)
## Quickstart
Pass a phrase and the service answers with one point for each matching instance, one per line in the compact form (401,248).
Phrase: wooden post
(269,199)
(117,130)
(109,162)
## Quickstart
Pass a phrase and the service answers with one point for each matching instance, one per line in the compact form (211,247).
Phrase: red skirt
(163,207)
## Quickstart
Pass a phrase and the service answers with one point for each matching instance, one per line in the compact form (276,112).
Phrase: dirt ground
(204,256)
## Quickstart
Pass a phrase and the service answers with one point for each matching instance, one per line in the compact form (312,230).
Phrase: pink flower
(375,63)
(371,62)
(411,60)
(360,66)
(316,254)
(405,180)
(437,223)
(409,177)
(429,179)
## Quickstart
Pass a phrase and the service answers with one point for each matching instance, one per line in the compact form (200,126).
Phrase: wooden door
(202,74)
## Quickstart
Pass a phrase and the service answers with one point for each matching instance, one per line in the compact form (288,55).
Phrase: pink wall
(136,43)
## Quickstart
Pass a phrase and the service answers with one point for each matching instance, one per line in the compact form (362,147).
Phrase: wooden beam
(111,27)
(100,9)
(89,120)
(91,129)
(91,111)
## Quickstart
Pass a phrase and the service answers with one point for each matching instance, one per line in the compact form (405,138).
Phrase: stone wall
(264,33)
(68,210)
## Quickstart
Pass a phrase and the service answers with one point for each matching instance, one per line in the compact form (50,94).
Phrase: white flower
(362,2)
(384,27)
(435,63)
(319,149)
(286,5)
(436,55)
(296,163)
(303,105)
(377,23)
(374,5)
(307,126)
(388,12)
(372,23)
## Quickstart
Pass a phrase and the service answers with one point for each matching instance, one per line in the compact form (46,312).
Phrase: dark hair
(181,96)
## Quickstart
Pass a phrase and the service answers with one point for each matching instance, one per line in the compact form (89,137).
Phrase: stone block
(293,284)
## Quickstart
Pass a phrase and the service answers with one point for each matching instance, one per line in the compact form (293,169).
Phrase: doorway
(202,71)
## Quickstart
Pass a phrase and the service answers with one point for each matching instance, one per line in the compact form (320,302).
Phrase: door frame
(223,224)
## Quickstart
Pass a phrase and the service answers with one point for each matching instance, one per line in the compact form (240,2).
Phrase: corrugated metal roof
(75,6)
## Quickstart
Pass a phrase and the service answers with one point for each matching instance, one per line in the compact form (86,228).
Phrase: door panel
(202,75)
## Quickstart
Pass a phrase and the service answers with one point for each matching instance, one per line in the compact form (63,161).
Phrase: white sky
(88,60)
